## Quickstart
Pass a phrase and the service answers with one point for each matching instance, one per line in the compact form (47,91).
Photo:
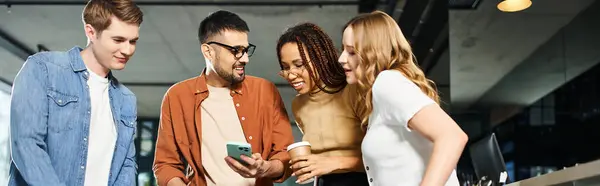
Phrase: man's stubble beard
(229,75)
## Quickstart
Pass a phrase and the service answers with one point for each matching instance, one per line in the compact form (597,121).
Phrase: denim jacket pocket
(62,111)
(129,121)
(130,127)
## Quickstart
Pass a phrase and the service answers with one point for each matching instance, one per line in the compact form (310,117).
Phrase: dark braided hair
(322,53)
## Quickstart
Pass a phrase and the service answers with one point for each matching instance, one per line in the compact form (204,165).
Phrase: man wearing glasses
(199,116)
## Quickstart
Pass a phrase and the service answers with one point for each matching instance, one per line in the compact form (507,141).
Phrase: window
(4,133)
(542,112)
(145,142)
(144,179)
(147,139)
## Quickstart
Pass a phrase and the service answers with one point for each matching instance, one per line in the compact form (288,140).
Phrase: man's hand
(256,166)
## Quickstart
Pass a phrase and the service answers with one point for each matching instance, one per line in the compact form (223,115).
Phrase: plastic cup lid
(298,144)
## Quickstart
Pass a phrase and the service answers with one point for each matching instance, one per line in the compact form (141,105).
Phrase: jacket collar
(75,59)
(77,64)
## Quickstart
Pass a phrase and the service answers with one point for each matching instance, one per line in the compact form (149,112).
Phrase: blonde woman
(410,140)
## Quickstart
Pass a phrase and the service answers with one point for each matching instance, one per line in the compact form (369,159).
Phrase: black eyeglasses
(237,51)
(296,70)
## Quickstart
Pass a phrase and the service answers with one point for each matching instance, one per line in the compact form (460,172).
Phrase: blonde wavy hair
(380,45)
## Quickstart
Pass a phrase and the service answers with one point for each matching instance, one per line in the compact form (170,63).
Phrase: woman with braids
(410,140)
(324,108)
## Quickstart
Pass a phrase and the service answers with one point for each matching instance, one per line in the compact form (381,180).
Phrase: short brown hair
(99,12)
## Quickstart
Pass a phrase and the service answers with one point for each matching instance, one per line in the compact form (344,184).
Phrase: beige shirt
(329,122)
(220,125)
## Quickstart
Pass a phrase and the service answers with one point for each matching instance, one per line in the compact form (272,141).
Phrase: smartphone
(237,149)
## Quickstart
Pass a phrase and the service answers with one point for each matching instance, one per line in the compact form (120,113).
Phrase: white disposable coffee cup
(300,149)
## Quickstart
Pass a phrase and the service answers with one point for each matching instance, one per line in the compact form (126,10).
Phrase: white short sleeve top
(392,153)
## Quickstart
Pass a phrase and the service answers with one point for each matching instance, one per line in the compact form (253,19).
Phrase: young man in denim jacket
(72,122)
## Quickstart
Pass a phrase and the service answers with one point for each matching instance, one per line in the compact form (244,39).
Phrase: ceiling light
(514,5)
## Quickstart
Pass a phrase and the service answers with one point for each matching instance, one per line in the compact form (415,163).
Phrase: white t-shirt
(103,132)
(393,154)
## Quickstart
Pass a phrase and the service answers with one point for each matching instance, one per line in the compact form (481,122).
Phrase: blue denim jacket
(50,120)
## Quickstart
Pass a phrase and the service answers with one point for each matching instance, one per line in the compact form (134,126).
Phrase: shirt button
(367,167)
(84,139)
(243,118)
(89,112)
(371,179)
(82,167)
(250,137)
(237,105)
(59,101)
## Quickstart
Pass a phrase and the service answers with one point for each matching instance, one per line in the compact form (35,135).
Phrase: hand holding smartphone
(237,149)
